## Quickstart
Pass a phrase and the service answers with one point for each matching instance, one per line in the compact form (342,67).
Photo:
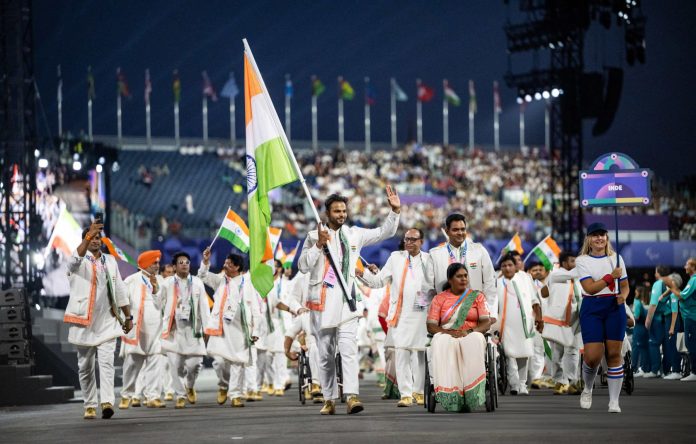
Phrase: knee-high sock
(615,380)
(588,375)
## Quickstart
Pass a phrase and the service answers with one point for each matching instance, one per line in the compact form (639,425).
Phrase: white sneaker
(690,378)
(585,399)
(523,390)
(614,407)
(649,375)
(639,374)
(673,376)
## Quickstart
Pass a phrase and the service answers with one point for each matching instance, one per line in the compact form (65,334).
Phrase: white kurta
(328,303)
(514,340)
(478,264)
(225,327)
(184,296)
(273,317)
(562,307)
(408,304)
(146,308)
(103,326)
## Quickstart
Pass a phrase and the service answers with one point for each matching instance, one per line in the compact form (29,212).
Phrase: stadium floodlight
(37,153)
(43,163)
(77,165)
(520,100)
(555,92)
(76,156)
(537,95)
(99,168)
(545,94)
(115,167)
(527,98)
(102,161)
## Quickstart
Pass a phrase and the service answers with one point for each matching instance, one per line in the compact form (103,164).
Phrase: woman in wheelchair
(457,319)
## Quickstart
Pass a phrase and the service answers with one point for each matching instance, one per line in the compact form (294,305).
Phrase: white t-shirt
(595,267)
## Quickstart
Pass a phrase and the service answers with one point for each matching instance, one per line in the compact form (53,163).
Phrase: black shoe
(513,392)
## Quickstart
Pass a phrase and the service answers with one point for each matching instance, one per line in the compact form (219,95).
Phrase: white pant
(104,354)
(167,375)
(280,370)
(410,371)
(565,363)
(264,366)
(517,372)
(536,362)
(251,373)
(230,376)
(312,353)
(346,337)
(137,368)
(183,367)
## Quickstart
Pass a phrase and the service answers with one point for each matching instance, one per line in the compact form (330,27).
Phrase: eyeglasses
(411,239)
(183,262)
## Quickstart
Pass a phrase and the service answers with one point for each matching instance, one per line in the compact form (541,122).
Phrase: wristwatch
(129,318)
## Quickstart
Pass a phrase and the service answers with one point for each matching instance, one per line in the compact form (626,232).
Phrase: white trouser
(313,362)
(517,372)
(104,354)
(230,376)
(280,370)
(264,365)
(536,362)
(565,363)
(380,361)
(141,372)
(183,368)
(410,371)
(167,374)
(251,373)
(346,337)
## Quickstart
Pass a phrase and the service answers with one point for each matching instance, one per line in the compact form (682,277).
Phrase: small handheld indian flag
(547,252)
(515,244)
(235,231)
(116,252)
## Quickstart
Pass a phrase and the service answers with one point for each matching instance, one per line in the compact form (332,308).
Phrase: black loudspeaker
(16,351)
(12,314)
(611,101)
(12,296)
(13,332)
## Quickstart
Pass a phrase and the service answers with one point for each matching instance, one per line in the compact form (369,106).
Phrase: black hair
(178,254)
(334,198)
(514,254)
(451,271)
(420,233)
(534,264)
(663,270)
(278,263)
(507,257)
(564,256)
(236,260)
(454,217)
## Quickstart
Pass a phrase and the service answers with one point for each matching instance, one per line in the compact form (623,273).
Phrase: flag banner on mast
(268,166)
(66,235)
(122,84)
(235,231)
(176,86)
(399,93)
(547,252)
(116,252)
(208,89)
(347,92)
(317,86)
(425,93)
(472,98)
(451,96)
(230,89)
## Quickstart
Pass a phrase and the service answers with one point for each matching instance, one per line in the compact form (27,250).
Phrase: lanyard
(462,257)
(445,318)
(410,267)
(189,284)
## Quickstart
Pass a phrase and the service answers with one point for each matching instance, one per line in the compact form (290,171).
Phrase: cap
(596,227)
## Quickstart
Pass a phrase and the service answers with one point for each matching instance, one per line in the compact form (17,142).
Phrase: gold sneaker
(221,396)
(180,403)
(353,405)
(90,413)
(405,401)
(329,408)
(308,394)
(237,402)
(419,398)
(318,399)
(191,395)
(135,401)
(574,389)
(316,390)
(279,392)
(548,383)
(107,410)
(156,404)
(258,396)
(124,404)
(264,387)
(537,383)
(269,390)
(169,396)
(561,389)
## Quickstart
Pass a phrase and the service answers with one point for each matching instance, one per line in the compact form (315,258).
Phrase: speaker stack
(14,327)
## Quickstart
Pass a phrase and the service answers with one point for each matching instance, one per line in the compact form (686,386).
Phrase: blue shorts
(601,319)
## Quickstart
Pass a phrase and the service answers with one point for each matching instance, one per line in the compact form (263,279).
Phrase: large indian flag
(66,235)
(234,230)
(116,252)
(269,166)
(547,252)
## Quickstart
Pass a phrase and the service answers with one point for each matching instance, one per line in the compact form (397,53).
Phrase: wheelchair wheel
(490,380)
(429,394)
(300,380)
(339,377)
(628,382)
(685,365)
(501,371)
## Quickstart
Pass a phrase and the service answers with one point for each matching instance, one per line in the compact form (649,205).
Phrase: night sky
(432,40)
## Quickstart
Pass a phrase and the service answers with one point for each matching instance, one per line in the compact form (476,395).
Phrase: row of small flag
(424,92)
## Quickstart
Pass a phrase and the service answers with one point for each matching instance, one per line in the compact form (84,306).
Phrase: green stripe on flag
(543,259)
(234,240)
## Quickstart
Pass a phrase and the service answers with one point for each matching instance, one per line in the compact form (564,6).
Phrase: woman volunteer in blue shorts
(602,314)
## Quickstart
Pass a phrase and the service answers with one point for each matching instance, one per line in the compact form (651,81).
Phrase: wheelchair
(304,376)
(501,370)
(685,365)
(491,387)
(339,377)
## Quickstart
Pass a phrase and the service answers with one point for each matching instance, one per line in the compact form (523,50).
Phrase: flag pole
(118,119)
(60,103)
(205,120)
(368,141)
(148,127)
(523,105)
(445,115)
(547,125)
(530,253)
(288,110)
(393,113)
(89,119)
(233,115)
(341,136)
(315,141)
(219,228)
(276,121)
(496,116)
(419,115)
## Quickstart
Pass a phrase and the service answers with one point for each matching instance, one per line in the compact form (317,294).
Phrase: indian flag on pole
(547,252)
(234,230)
(268,166)
(116,252)
(515,244)
(66,235)
(450,95)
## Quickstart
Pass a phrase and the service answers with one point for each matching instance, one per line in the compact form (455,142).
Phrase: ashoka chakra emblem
(251,174)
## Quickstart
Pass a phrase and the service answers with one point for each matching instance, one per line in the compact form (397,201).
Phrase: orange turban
(148,258)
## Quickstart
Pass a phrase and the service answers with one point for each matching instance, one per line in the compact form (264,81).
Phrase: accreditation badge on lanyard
(462,257)
(420,302)
(184,310)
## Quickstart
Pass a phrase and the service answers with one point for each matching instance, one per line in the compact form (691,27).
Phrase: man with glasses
(472,254)
(408,309)
(185,315)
